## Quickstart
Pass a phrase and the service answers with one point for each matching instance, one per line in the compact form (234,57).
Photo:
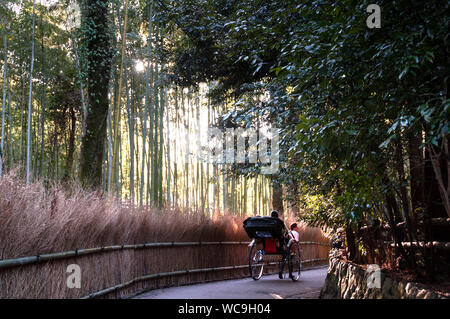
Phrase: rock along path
(268,287)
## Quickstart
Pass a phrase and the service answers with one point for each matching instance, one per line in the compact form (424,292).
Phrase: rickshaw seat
(270,245)
(264,228)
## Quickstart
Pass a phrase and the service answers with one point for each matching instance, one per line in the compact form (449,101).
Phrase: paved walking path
(268,287)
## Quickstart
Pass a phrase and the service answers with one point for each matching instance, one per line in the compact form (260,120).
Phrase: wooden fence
(120,271)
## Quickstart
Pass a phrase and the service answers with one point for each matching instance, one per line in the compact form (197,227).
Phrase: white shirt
(294,234)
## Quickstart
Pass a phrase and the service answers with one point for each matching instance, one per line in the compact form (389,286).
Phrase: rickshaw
(268,239)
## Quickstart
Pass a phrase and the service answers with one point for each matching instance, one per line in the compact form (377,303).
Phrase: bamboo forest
(45,113)
(147,122)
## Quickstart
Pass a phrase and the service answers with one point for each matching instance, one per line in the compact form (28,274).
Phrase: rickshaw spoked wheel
(256,262)
(294,262)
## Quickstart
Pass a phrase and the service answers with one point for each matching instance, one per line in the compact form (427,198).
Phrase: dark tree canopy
(363,113)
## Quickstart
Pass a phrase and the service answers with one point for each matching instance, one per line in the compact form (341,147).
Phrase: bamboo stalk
(119,90)
(5,74)
(30,106)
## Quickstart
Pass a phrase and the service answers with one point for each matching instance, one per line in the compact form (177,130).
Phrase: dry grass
(35,220)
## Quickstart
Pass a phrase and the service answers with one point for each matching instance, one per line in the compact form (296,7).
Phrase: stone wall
(349,281)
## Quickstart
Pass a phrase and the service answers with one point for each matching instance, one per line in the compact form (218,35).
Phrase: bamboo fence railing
(34,261)
(14,262)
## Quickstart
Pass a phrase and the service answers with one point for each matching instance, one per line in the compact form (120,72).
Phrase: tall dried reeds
(38,220)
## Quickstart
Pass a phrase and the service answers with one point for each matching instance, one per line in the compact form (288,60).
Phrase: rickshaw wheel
(256,262)
(294,262)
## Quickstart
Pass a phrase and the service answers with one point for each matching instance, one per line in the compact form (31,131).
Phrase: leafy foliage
(345,97)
